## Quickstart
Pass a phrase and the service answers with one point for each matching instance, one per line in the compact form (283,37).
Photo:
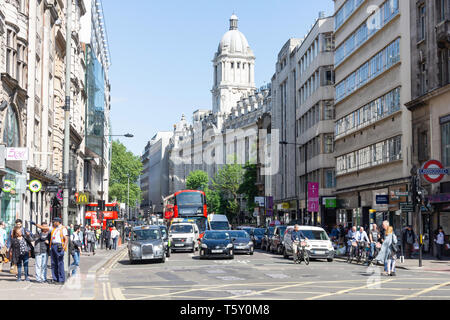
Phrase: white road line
(414,295)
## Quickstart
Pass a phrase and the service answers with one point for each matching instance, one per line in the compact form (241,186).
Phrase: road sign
(382,199)
(35,186)
(8,186)
(406,207)
(433,171)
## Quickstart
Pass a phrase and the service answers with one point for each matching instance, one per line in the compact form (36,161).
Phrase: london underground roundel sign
(433,171)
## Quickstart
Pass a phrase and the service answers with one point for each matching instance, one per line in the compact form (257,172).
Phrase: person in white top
(115,237)
(440,241)
(59,240)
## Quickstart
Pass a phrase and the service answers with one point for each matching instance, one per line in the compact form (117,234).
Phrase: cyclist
(361,238)
(297,236)
(351,236)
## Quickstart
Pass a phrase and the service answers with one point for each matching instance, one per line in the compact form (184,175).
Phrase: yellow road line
(348,290)
(425,291)
(105,297)
(117,294)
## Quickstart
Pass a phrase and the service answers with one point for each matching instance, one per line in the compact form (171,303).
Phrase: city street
(262,276)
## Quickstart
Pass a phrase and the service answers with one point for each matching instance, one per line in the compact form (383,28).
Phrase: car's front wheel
(330,259)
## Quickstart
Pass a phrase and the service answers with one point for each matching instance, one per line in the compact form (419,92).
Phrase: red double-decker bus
(93,215)
(187,205)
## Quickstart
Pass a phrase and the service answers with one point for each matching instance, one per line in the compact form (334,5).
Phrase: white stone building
(229,132)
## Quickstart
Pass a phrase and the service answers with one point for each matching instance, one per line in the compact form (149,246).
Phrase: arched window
(11,131)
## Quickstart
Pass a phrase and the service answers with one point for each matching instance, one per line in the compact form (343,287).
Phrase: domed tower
(234,70)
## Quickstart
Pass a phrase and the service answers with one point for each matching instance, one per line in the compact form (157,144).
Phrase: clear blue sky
(162,50)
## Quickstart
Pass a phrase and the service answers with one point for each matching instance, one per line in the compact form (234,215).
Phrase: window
(445,141)
(329,144)
(11,53)
(329,77)
(443,66)
(441,8)
(328,42)
(422,78)
(11,136)
(422,20)
(330,178)
(328,110)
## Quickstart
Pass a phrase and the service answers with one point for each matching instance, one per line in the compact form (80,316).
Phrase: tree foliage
(124,164)
(197,180)
(227,182)
(248,187)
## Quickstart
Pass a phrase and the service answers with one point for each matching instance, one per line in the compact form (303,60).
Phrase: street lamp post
(306,171)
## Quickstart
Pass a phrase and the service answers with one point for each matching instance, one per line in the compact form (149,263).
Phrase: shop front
(441,216)
(11,197)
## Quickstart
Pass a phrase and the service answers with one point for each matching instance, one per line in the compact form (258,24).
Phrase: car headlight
(230,246)
(204,246)
(250,243)
(190,239)
(135,248)
(159,247)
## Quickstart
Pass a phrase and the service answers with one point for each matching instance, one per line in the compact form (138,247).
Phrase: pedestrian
(384,227)
(18,223)
(374,237)
(98,234)
(91,240)
(75,248)
(107,237)
(115,237)
(20,251)
(71,229)
(41,251)
(440,241)
(3,247)
(82,239)
(408,240)
(388,252)
(58,245)
(334,235)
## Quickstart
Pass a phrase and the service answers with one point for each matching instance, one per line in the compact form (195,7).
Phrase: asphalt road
(262,276)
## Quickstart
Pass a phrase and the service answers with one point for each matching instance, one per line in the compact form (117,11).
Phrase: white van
(319,245)
(218,222)
(183,236)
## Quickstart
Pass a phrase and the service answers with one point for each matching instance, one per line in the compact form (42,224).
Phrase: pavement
(80,287)
(263,276)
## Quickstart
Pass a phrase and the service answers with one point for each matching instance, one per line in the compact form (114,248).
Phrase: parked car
(268,233)
(257,235)
(183,236)
(216,244)
(146,243)
(165,235)
(276,242)
(319,244)
(242,242)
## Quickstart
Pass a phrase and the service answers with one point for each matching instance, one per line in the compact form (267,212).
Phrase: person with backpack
(388,252)
(91,240)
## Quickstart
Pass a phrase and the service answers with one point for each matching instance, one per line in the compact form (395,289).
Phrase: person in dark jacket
(107,234)
(41,251)
(20,251)
(408,240)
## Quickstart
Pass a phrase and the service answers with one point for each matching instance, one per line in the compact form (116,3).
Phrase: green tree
(124,164)
(227,181)
(197,180)
(214,201)
(248,187)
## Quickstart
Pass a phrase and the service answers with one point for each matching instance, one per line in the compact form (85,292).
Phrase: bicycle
(363,250)
(352,251)
(302,253)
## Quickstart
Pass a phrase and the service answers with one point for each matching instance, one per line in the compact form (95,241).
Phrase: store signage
(313,197)
(260,201)
(8,186)
(81,198)
(52,189)
(401,194)
(329,202)
(17,154)
(35,186)
(382,199)
(433,171)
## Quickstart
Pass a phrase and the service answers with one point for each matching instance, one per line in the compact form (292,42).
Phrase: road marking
(117,294)
(349,290)
(425,291)
(105,297)
(173,293)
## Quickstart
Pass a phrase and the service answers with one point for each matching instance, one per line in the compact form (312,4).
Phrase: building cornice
(424,99)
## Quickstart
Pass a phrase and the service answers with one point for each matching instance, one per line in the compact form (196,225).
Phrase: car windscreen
(181,229)
(282,230)
(216,236)
(239,234)
(315,234)
(219,225)
(271,230)
(147,234)
(258,232)
(190,199)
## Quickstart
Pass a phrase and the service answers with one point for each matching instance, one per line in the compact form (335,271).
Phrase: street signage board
(401,194)
(52,189)
(82,198)
(260,201)
(313,197)
(8,186)
(17,154)
(329,202)
(407,207)
(382,199)
(433,171)
(35,186)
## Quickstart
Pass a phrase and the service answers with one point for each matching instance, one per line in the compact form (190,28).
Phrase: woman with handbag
(388,252)
(20,252)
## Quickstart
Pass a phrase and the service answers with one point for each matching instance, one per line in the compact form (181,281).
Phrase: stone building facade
(430,94)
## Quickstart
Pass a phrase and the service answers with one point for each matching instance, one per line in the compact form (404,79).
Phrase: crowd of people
(382,243)
(20,245)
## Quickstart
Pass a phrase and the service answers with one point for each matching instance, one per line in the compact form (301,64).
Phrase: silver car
(146,243)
